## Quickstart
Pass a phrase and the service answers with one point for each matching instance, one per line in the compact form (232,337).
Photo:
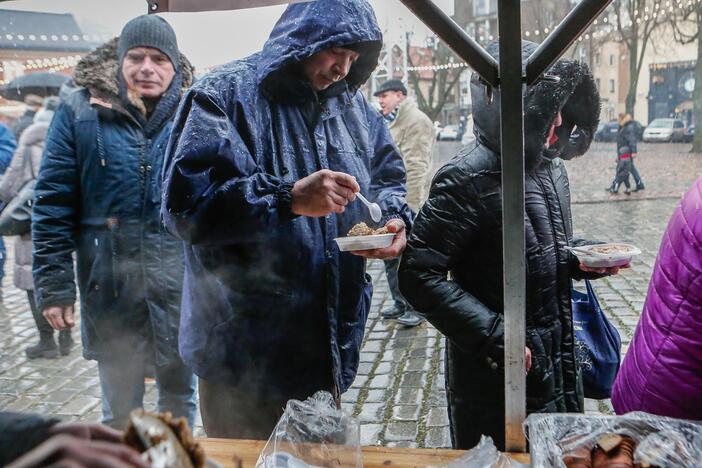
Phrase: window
(611,59)
(612,86)
(481,7)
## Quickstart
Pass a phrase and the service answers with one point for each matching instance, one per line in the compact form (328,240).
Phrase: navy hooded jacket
(98,194)
(265,291)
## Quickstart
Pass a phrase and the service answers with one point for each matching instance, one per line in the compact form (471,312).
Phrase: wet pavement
(399,394)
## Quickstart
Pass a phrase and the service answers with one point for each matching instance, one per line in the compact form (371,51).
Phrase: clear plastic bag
(659,441)
(313,433)
(484,455)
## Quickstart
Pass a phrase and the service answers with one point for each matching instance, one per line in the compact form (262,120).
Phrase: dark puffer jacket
(99,193)
(459,231)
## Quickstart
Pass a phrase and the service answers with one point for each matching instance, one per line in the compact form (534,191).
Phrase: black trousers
(248,409)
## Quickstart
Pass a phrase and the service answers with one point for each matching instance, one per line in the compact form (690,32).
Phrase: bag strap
(31,163)
(591,293)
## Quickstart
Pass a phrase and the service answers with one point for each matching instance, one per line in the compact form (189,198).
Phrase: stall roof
(30,30)
(161,6)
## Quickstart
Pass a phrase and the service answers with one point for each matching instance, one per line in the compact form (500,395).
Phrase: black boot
(640,186)
(65,342)
(614,188)
(396,311)
(46,348)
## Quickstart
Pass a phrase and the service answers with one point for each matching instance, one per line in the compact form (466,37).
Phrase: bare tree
(441,84)
(687,28)
(635,21)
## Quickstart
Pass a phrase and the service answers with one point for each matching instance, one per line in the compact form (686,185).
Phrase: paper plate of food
(363,237)
(605,255)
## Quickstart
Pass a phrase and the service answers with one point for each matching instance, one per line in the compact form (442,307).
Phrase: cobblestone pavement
(399,393)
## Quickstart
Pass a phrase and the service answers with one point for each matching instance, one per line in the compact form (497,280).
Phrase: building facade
(40,42)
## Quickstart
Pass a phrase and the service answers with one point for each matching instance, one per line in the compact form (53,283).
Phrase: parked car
(608,131)
(665,130)
(449,132)
(690,133)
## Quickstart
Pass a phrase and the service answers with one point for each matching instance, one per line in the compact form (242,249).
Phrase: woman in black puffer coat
(458,231)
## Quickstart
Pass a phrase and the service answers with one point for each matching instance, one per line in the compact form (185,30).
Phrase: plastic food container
(605,255)
(375,241)
(660,441)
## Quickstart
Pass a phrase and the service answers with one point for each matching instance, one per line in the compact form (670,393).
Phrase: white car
(665,130)
(449,132)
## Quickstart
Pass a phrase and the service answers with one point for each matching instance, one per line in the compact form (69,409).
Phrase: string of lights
(606,26)
(56,38)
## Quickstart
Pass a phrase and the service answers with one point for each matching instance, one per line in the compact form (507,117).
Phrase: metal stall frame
(511,76)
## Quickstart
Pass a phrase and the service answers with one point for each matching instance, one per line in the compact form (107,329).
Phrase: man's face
(389,100)
(147,71)
(328,66)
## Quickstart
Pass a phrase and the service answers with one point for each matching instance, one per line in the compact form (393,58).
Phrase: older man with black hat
(413,134)
(98,193)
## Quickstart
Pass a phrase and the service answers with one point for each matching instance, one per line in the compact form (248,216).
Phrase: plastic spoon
(373,208)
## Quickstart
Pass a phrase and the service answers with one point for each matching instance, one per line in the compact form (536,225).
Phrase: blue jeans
(122,385)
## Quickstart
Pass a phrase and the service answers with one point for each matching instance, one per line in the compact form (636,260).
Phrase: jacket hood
(97,71)
(575,95)
(307,28)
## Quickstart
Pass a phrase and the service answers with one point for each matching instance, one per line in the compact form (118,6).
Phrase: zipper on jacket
(572,331)
(112,226)
(100,143)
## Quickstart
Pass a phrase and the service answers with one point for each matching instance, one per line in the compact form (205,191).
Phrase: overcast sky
(206,38)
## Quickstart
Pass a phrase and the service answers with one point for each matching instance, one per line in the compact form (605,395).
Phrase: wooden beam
(162,6)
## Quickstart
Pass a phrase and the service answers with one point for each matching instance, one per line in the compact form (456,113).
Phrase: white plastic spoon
(373,208)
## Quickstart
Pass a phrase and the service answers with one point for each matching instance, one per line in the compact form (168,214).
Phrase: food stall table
(244,453)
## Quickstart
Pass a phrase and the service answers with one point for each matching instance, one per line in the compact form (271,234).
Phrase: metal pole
(562,37)
(456,38)
(162,6)
(512,88)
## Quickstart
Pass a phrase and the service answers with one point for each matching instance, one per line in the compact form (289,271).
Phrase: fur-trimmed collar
(97,72)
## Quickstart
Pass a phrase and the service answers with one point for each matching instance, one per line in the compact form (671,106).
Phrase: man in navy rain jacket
(98,193)
(263,165)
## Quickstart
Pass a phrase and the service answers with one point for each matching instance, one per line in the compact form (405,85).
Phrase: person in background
(413,133)
(33,103)
(626,152)
(24,168)
(451,270)
(634,171)
(264,161)
(662,370)
(98,193)
(8,145)
(30,440)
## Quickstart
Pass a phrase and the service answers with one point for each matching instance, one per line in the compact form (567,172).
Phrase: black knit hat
(149,31)
(391,85)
